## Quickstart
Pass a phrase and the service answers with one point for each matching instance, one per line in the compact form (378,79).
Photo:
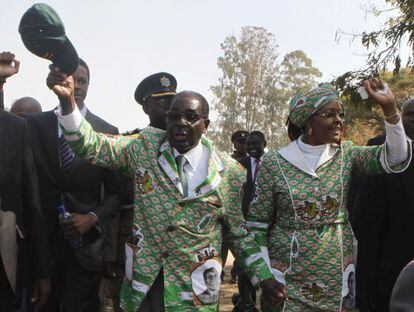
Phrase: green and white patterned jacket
(181,235)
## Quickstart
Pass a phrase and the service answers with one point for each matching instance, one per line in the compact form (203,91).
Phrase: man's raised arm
(9,66)
(96,148)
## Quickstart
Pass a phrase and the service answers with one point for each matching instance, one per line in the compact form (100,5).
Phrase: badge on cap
(165,82)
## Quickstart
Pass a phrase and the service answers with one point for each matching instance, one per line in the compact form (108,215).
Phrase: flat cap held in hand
(43,34)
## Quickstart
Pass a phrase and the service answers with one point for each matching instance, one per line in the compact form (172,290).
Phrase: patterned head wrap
(303,105)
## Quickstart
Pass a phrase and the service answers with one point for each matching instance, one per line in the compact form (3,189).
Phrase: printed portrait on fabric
(205,281)
(348,287)
(132,248)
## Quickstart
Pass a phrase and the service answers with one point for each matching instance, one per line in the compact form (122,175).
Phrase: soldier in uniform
(154,93)
(238,139)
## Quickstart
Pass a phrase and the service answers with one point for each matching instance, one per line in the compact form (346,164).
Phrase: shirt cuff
(395,144)
(70,122)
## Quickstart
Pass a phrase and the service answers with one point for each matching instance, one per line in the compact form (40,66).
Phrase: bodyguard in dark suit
(89,193)
(256,143)
(382,217)
(24,261)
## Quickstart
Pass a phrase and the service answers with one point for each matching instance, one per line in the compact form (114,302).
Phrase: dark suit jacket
(247,186)
(20,203)
(383,215)
(82,191)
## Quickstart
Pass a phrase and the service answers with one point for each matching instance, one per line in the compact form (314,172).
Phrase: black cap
(43,34)
(239,135)
(156,85)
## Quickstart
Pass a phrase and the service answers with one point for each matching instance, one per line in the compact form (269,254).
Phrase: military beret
(239,135)
(156,85)
(43,34)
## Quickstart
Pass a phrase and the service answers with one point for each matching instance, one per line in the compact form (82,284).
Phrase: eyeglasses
(331,115)
(190,117)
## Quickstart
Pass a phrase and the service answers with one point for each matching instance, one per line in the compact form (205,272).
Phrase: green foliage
(384,45)
(254,88)
(365,120)
(297,72)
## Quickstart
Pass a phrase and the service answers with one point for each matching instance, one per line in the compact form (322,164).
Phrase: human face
(156,108)
(407,116)
(81,79)
(325,126)
(184,134)
(255,146)
(211,279)
(240,146)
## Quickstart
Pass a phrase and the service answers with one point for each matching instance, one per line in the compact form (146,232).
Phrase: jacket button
(171,228)
(165,254)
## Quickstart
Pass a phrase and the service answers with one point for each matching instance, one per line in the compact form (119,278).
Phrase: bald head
(25,105)
(407,116)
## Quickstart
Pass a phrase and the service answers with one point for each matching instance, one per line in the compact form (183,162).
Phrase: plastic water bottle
(74,241)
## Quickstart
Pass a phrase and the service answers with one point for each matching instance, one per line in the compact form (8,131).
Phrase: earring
(310,132)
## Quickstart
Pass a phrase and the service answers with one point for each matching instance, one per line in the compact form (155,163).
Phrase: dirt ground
(227,289)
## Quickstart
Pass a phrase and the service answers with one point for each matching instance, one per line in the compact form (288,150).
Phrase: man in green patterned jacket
(185,193)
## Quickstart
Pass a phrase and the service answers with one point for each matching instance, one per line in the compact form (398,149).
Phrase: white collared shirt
(59,109)
(253,164)
(196,168)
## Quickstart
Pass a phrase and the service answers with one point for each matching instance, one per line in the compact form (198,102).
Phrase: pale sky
(124,41)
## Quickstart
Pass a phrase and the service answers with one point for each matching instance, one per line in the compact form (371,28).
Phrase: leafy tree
(254,89)
(365,120)
(246,86)
(384,44)
(297,72)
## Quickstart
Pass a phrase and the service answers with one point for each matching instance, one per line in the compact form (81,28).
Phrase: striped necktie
(66,155)
(181,161)
(257,163)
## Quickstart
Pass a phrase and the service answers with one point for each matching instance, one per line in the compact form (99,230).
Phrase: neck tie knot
(181,160)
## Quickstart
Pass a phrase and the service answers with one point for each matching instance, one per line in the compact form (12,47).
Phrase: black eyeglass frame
(191,120)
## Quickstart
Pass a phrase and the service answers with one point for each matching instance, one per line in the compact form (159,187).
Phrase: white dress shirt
(196,168)
(59,109)
(253,165)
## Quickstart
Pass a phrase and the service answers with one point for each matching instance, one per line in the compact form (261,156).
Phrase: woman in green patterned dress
(299,212)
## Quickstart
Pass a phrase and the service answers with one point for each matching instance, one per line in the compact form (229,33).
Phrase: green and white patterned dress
(183,236)
(300,219)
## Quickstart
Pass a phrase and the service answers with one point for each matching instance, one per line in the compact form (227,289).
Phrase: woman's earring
(310,132)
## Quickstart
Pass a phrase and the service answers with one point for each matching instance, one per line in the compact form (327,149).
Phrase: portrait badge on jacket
(145,181)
